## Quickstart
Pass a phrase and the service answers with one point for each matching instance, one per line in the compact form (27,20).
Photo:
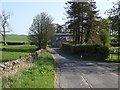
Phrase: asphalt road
(74,73)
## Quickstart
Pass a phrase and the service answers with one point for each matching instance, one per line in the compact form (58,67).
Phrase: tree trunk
(87,36)
(4,38)
(81,41)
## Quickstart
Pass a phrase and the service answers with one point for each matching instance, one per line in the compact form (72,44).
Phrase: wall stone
(14,65)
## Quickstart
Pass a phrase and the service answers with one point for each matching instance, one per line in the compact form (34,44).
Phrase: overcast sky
(23,11)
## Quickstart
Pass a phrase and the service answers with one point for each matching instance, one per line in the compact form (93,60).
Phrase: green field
(15,38)
(39,75)
(11,52)
(113,56)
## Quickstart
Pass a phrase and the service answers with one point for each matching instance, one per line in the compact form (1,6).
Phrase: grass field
(39,75)
(113,57)
(114,54)
(15,38)
(11,52)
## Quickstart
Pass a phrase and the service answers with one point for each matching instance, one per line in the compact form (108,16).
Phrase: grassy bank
(11,52)
(39,75)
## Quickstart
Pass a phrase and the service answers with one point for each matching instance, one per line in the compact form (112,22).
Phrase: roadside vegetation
(39,75)
(94,38)
(114,54)
(12,52)
(92,52)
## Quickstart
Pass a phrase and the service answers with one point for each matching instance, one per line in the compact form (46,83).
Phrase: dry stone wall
(13,66)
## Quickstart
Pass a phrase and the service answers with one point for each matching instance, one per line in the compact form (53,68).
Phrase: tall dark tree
(59,28)
(82,20)
(75,15)
(41,30)
(91,22)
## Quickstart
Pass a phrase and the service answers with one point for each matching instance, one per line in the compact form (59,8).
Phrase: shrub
(67,47)
(104,37)
(103,52)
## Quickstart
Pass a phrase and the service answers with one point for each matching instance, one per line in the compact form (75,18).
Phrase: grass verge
(39,75)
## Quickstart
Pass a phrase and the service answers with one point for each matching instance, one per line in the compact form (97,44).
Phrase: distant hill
(15,38)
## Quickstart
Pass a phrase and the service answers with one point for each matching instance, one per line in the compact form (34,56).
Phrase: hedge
(100,51)
(15,43)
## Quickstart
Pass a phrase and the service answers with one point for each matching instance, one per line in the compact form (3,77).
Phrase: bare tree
(4,25)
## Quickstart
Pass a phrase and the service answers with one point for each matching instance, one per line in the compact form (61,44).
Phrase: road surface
(74,73)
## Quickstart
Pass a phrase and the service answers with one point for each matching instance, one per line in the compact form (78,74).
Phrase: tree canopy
(114,15)
(83,21)
(41,30)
